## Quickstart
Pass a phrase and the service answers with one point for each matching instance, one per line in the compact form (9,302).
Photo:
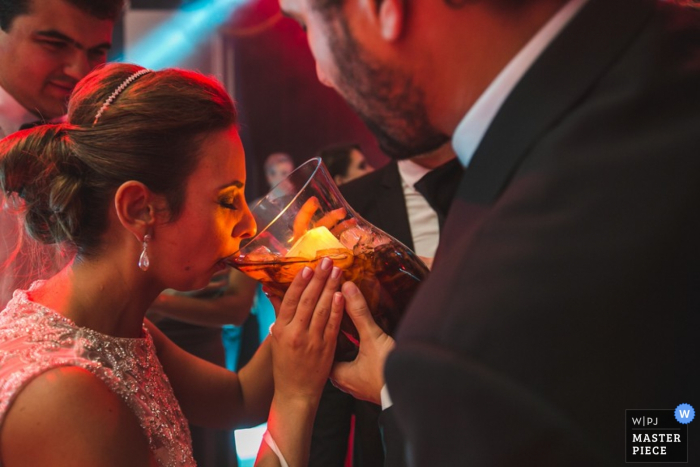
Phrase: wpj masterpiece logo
(658,435)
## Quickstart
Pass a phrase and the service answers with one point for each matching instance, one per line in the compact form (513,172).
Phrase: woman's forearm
(227,309)
(290,425)
(257,387)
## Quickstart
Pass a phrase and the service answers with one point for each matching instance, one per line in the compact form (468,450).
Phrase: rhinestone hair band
(118,91)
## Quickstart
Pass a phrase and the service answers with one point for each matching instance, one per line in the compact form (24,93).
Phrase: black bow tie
(438,187)
(26,126)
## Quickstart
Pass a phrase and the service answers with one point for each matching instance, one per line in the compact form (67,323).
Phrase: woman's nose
(247,227)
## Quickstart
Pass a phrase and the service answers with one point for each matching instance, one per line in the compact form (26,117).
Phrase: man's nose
(77,65)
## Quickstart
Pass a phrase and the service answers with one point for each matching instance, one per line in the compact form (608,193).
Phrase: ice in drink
(385,271)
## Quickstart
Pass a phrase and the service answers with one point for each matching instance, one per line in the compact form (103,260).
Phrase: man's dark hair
(337,158)
(100,9)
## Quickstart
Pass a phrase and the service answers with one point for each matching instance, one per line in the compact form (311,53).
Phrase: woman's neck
(99,296)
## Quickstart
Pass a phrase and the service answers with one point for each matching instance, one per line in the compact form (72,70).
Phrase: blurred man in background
(46,47)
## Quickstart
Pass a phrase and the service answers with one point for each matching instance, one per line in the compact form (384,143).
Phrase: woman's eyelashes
(228,202)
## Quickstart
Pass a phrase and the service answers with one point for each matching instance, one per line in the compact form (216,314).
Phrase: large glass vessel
(305,218)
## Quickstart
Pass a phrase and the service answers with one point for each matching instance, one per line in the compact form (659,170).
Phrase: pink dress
(35,339)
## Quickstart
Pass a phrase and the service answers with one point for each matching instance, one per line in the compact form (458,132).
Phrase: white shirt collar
(473,126)
(411,172)
(12,114)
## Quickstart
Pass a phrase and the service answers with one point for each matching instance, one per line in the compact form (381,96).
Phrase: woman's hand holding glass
(304,334)
(303,340)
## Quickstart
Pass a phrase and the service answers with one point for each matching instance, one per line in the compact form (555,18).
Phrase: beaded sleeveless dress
(35,339)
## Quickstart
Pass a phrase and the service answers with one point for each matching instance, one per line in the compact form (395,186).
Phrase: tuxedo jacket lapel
(378,197)
(570,66)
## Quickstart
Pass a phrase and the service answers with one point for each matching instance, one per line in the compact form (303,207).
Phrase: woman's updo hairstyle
(151,132)
(38,166)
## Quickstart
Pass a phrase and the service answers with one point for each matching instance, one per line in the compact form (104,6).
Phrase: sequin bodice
(35,339)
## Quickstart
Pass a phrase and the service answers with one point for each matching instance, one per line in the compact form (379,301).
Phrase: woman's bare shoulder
(69,416)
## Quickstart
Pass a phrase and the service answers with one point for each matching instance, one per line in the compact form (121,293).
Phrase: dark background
(282,105)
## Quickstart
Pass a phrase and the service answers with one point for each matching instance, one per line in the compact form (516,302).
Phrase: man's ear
(386,16)
(392,16)
(135,208)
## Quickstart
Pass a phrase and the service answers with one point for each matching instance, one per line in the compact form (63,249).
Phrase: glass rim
(318,162)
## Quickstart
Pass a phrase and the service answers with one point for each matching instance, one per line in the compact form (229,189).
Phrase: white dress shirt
(423,220)
(12,114)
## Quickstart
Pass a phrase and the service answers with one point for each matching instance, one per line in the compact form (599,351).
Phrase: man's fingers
(341,373)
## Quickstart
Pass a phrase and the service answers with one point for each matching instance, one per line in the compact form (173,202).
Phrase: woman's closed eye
(228,203)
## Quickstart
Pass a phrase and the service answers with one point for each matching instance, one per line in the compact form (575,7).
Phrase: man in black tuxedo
(566,285)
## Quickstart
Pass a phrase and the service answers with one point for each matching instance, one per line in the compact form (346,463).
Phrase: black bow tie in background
(438,187)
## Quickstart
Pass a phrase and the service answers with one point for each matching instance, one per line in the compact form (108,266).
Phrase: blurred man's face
(278,172)
(47,51)
(383,95)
